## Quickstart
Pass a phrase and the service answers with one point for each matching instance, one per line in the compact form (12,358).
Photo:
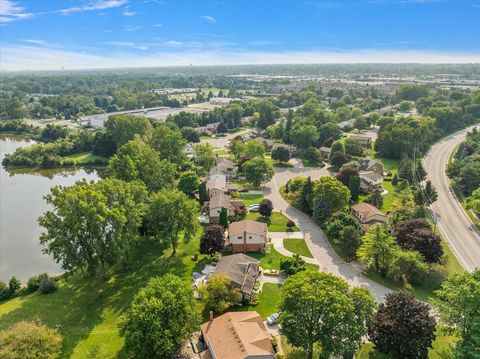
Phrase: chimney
(211,316)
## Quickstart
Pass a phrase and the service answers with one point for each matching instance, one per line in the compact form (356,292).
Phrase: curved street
(452,221)
(315,239)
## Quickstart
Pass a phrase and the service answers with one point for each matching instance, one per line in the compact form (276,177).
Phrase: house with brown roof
(242,271)
(325,151)
(221,200)
(236,335)
(367,164)
(290,148)
(368,215)
(364,140)
(224,166)
(247,236)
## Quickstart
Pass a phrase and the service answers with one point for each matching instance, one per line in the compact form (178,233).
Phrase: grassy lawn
(277,222)
(85,158)
(268,300)
(271,259)
(297,245)
(441,348)
(88,308)
(388,198)
(251,198)
(220,152)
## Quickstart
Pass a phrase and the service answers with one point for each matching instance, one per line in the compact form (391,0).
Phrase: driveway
(324,255)
(452,221)
(223,142)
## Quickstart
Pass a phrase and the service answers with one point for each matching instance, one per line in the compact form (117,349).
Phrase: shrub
(290,224)
(292,265)
(33,284)
(47,284)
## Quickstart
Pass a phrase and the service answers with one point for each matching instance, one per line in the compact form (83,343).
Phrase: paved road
(316,241)
(453,222)
(223,142)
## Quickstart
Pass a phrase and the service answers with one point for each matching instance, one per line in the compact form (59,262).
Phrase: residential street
(316,241)
(453,222)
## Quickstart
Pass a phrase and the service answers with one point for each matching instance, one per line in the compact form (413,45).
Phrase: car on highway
(273,319)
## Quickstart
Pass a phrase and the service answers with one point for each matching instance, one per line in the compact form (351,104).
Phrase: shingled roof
(241,269)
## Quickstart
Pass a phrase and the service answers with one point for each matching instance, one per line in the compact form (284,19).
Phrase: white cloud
(29,57)
(173,43)
(108,30)
(34,41)
(128,44)
(128,12)
(132,28)
(94,5)
(210,19)
(157,25)
(10,11)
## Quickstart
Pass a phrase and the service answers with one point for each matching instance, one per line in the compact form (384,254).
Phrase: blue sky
(41,34)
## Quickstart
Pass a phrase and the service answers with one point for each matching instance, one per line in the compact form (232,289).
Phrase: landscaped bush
(47,284)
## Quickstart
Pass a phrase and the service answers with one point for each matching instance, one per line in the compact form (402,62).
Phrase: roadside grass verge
(277,222)
(271,259)
(298,246)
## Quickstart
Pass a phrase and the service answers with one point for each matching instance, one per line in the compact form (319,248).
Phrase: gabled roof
(220,199)
(224,161)
(367,210)
(249,226)
(371,176)
(367,162)
(238,335)
(360,137)
(241,269)
(217,181)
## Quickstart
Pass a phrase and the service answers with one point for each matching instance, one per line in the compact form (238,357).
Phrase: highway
(452,221)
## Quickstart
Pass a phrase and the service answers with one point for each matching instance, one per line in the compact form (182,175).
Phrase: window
(249,237)
(239,237)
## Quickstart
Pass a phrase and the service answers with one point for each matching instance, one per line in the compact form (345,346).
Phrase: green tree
(136,160)
(202,193)
(223,218)
(349,240)
(353,148)
(123,128)
(403,327)
(407,267)
(354,187)
(257,171)
(280,154)
(337,146)
(218,294)
(160,319)
(306,195)
(333,191)
(473,202)
(28,340)
(377,248)
(266,208)
(169,144)
(171,214)
(425,195)
(457,300)
(268,113)
(293,265)
(204,155)
(320,308)
(252,149)
(188,183)
(92,224)
(304,136)
(376,198)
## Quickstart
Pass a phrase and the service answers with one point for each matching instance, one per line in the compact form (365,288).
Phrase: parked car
(271,272)
(243,190)
(254,207)
(273,319)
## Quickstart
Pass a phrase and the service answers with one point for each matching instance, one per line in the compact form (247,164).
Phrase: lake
(21,203)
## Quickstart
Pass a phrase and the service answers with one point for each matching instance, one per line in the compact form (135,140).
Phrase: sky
(85,34)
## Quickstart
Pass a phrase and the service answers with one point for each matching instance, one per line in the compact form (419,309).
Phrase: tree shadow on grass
(81,303)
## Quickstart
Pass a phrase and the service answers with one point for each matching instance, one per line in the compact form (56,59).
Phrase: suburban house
(370,181)
(247,236)
(367,164)
(221,200)
(217,183)
(325,151)
(236,335)
(224,166)
(368,215)
(207,130)
(242,271)
(364,140)
(291,149)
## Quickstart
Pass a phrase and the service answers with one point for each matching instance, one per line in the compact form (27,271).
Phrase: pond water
(21,203)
